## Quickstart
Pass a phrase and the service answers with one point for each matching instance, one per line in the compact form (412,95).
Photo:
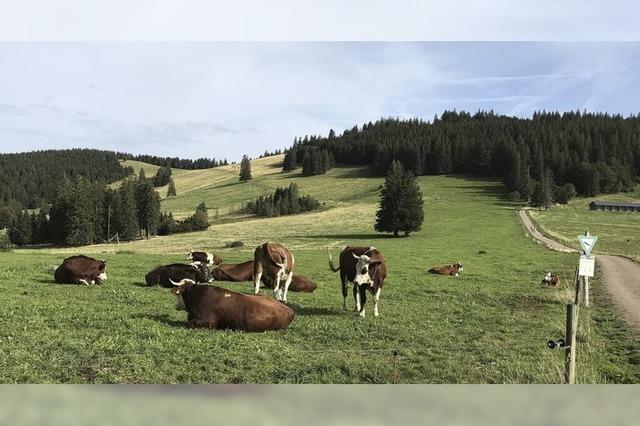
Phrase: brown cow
(213,307)
(81,270)
(551,279)
(275,262)
(365,267)
(234,272)
(237,272)
(453,270)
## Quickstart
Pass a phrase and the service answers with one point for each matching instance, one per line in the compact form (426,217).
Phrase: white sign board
(587,243)
(587,266)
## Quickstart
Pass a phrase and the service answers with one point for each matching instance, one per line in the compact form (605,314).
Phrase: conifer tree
(141,175)
(171,191)
(401,206)
(245,169)
(20,231)
(128,226)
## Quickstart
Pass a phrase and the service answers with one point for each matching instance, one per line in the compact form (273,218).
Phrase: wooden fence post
(570,339)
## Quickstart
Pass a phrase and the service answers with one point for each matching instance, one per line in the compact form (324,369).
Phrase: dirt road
(620,275)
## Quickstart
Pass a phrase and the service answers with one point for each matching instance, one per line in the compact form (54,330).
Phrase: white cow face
(362,270)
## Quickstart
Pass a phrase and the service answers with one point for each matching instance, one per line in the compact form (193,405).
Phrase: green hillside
(489,325)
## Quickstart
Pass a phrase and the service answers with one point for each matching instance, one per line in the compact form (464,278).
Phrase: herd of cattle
(272,266)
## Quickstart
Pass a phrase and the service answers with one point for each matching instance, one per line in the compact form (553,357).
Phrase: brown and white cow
(453,270)
(165,275)
(275,262)
(238,272)
(551,279)
(214,307)
(81,270)
(210,259)
(365,267)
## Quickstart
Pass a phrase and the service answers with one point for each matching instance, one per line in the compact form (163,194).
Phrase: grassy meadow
(490,325)
(617,231)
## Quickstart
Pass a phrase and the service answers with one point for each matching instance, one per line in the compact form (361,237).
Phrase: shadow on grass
(163,318)
(312,310)
(141,284)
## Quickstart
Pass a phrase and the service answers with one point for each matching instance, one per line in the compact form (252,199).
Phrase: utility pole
(109,223)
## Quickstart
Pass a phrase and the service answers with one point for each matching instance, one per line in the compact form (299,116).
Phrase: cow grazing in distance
(238,272)
(453,270)
(81,270)
(365,267)
(164,275)
(275,262)
(551,279)
(216,308)
(204,257)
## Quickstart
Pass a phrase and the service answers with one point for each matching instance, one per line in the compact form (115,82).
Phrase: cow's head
(365,269)
(102,271)
(178,290)
(203,274)
(189,256)
(458,266)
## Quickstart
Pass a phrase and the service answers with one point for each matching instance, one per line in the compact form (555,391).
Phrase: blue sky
(224,99)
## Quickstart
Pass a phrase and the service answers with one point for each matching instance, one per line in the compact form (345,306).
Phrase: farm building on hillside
(617,206)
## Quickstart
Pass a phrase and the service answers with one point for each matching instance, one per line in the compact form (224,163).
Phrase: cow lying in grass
(204,257)
(238,272)
(551,279)
(166,274)
(453,270)
(81,270)
(216,308)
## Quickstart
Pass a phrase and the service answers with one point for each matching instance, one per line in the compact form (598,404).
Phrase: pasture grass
(617,231)
(490,325)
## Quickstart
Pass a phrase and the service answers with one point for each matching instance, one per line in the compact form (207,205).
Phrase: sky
(226,99)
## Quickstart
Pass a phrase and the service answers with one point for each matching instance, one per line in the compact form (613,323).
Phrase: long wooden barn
(615,206)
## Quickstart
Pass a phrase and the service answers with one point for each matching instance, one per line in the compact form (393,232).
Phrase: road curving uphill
(621,276)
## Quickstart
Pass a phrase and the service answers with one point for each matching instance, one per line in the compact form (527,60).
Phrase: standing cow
(81,270)
(276,262)
(365,267)
(217,308)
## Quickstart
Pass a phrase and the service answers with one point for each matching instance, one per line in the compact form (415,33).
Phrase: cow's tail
(265,247)
(331,267)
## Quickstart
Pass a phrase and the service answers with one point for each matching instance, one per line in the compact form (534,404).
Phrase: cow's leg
(257,276)
(362,290)
(83,281)
(376,298)
(356,297)
(277,292)
(286,286)
(345,292)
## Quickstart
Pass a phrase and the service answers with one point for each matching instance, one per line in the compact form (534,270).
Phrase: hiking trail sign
(587,242)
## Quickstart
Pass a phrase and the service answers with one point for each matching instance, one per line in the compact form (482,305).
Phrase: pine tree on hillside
(162,177)
(142,177)
(128,226)
(245,169)
(171,191)
(20,230)
(401,205)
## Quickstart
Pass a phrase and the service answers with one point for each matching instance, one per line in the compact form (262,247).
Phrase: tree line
(30,179)
(175,162)
(549,156)
(284,201)
(314,160)
(84,212)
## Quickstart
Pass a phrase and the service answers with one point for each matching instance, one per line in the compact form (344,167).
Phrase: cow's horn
(354,255)
(182,282)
